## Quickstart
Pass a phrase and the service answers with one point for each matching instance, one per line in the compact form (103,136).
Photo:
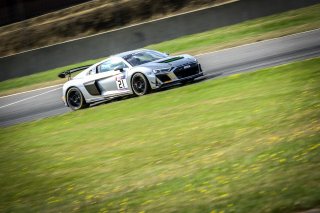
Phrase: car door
(108,81)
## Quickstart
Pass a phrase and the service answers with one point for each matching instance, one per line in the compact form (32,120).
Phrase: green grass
(249,31)
(244,143)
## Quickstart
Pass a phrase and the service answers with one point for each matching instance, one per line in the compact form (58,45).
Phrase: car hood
(172,61)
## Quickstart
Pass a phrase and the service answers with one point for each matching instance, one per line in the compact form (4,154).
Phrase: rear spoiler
(68,72)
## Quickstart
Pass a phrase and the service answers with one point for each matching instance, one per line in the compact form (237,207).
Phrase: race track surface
(47,102)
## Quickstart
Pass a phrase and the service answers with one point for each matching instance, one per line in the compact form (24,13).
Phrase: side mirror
(91,72)
(119,68)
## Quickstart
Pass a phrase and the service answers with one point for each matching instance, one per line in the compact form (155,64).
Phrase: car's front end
(182,69)
(162,69)
(171,70)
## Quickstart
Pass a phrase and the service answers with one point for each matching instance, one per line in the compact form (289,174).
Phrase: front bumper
(180,80)
(179,74)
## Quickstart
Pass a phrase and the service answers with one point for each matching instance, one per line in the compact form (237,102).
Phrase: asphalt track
(37,104)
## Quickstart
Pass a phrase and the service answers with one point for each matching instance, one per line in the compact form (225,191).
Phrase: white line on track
(28,98)
(31,90)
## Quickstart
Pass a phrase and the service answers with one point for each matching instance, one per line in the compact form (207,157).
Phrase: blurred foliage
(87,19)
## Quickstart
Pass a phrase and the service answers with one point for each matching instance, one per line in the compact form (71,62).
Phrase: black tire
(139,84)
(75,99)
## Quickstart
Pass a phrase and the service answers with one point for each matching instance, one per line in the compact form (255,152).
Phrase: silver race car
(135,72)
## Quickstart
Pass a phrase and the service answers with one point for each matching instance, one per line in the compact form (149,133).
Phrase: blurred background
(47,22)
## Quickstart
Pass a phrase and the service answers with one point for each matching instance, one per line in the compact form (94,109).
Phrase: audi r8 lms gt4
(135,72)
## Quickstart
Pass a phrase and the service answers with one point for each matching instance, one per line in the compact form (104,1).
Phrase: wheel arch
(140,72)
(66,92)
(71,87)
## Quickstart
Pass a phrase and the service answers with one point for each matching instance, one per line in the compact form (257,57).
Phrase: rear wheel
(140,85)
(75,99)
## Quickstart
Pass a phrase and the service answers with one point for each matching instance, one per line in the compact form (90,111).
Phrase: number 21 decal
(122,84)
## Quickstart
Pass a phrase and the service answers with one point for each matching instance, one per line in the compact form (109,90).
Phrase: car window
(110,65)
(118,63)
(143,57)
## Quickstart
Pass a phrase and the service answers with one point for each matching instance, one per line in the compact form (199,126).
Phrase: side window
(111,64)
(119,64)
(104,67)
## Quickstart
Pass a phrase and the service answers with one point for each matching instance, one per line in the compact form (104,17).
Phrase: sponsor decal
(119,77)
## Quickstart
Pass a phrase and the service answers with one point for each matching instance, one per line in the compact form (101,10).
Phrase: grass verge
(244,143)
(250,31)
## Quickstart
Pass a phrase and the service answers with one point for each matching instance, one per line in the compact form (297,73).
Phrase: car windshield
(143,57)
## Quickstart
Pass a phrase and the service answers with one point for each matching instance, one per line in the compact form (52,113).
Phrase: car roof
(121,55)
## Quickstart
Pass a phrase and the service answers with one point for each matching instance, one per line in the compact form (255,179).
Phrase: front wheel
(140,85)
(75,99)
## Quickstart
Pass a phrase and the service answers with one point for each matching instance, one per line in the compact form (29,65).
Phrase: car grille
(181,72)
(163,77)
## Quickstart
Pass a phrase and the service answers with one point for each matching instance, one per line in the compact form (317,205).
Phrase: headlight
(161,70)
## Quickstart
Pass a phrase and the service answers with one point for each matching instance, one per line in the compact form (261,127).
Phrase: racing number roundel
(121,82)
